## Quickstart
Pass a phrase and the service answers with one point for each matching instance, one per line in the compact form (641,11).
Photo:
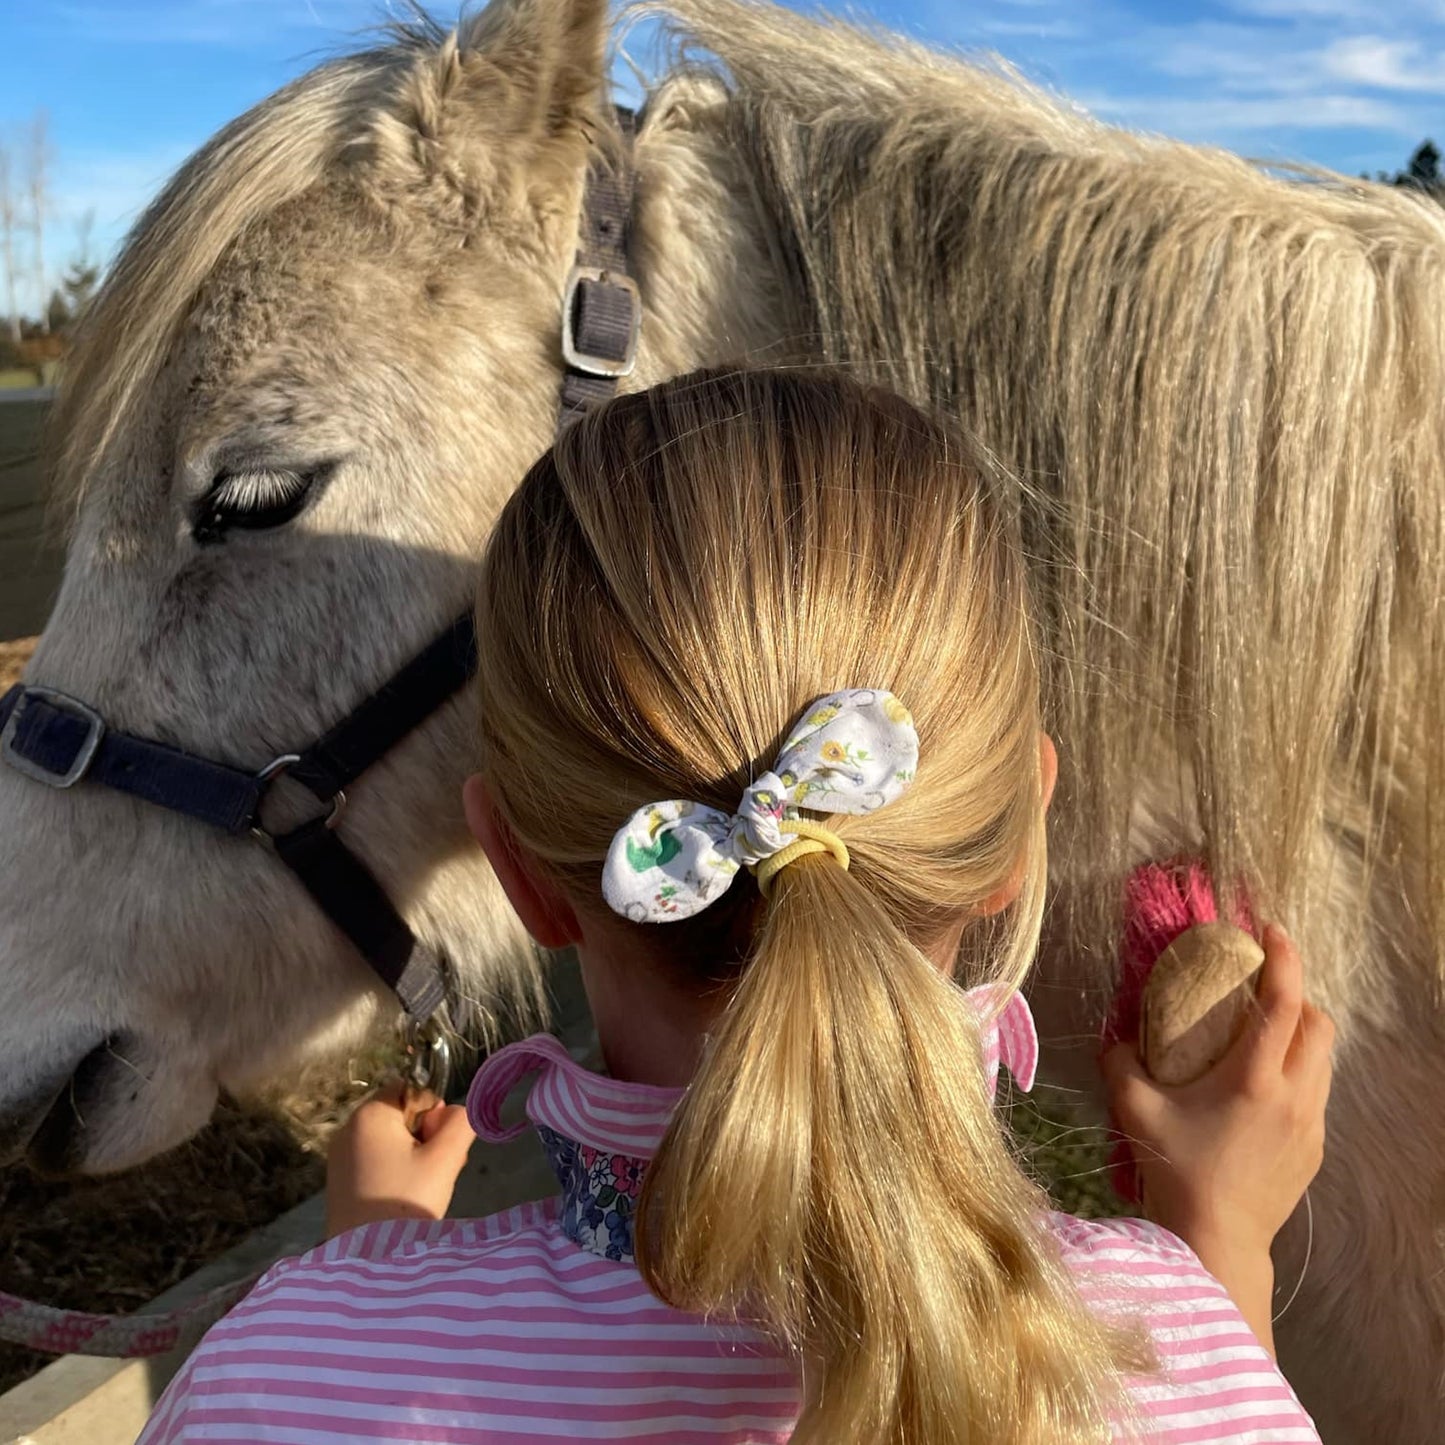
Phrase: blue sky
(131,86)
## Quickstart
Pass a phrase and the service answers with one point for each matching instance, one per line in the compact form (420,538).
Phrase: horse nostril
(24,1111)
(56,1148)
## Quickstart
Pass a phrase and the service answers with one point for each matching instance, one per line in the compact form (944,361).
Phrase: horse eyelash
(251,491)
(256,499)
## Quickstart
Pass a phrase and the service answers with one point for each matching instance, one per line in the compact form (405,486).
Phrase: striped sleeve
(1217,1383)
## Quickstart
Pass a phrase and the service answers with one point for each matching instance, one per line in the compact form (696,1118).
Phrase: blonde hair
(668,589)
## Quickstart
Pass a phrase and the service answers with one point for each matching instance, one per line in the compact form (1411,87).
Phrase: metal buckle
(62,702)
(429,1056)
(274,769)
(587,362)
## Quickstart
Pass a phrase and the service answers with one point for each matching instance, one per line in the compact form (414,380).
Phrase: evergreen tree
(1423,172)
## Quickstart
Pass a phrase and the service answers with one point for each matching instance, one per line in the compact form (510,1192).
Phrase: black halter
(60,741)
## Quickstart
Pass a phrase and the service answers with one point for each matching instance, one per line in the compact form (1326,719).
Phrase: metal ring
(431,1056)
(277,766)
(273,770)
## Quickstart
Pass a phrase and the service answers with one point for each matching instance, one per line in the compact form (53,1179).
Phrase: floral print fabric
(853,752)
(599,1194)
(622,1124)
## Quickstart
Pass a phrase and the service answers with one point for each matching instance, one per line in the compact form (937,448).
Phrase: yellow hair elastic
(812,838)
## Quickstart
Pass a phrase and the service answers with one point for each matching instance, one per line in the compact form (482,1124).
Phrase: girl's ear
(1048,767)
(997,901)
(537,901)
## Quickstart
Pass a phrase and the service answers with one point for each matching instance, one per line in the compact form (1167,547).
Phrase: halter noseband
(58,740)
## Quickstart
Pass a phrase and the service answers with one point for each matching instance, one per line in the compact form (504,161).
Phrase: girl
(725,622)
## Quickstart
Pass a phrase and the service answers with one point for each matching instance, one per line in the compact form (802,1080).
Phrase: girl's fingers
(429,1119)
(1280,997)
(447,1132)
(1310,1050)
(417,1105)
(1128,1083)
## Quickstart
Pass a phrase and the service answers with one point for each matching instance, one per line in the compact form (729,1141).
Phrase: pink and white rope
(73,1332)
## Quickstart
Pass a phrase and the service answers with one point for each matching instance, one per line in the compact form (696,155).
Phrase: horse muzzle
(116,1105)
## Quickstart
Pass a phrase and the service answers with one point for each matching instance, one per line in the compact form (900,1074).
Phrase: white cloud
(1231,58)
(1033,29)
(1307,9)
(1233,117)
(1226,57)
(1381,64)
(1259,76)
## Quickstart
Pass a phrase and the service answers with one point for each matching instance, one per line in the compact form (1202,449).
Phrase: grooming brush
(1187,981)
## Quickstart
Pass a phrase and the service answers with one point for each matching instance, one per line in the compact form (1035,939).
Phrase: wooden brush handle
(1197,999)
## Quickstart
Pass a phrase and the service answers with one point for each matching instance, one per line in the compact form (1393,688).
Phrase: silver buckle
(429,1056)
(584,361)
(274,769)
(62,702)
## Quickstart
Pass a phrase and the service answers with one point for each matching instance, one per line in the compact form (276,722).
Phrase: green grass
(1064,1152)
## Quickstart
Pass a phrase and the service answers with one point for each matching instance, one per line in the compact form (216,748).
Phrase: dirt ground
(112,1244)
(13,657)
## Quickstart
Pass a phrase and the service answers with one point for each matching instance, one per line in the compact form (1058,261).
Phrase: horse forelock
(386,117)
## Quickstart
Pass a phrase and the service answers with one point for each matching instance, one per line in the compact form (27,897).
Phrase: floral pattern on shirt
(599,1194)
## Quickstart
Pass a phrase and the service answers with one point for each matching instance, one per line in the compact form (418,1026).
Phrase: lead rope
(122,1337)
(601,321)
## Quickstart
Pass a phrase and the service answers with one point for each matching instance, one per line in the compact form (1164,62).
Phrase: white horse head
(326,355)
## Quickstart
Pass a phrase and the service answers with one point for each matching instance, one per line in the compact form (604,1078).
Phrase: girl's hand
(1224,1161)
(378,1169)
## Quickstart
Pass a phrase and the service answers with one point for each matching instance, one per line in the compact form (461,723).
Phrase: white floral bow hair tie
(854,752)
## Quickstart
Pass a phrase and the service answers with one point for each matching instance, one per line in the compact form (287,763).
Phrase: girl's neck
(651,1031)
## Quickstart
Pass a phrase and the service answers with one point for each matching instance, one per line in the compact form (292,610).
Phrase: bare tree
(38,156)
(9,216)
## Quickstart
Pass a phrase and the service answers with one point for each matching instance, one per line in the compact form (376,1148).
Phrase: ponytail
(835,1175)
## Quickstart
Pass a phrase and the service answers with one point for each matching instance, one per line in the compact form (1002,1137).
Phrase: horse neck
(704,250)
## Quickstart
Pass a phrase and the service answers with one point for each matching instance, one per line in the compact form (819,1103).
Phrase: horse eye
(253,499)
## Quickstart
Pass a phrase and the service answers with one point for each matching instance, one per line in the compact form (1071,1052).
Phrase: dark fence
(30,558)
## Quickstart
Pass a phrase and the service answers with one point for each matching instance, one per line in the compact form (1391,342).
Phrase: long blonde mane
(1221,389)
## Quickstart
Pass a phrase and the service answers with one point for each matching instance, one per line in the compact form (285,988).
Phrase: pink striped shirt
(534,1326)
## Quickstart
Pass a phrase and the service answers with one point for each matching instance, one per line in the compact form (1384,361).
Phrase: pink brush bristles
(1161,901)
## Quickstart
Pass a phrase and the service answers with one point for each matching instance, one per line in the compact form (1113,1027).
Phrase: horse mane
(1220,392)
(261,160)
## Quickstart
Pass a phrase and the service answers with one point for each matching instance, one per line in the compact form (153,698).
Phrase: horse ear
(513,93)
(548,53)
